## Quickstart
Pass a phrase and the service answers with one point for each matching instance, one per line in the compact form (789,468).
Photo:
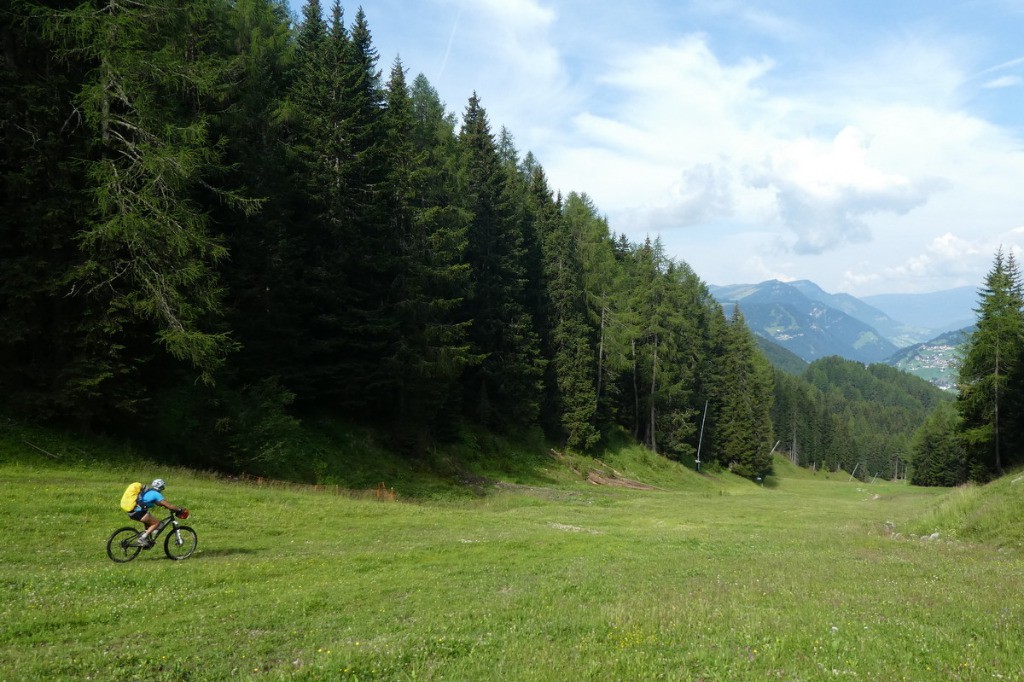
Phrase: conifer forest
(219,220)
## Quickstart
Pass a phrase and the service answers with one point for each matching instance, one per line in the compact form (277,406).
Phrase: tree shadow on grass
(223,551)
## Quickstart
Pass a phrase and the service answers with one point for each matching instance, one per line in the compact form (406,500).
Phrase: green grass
(708,577)
(992,514)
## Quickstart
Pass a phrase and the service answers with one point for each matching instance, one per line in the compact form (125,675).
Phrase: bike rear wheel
(123,545)
(180,543)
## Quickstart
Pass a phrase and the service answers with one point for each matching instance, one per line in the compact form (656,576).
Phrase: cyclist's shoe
(145,543)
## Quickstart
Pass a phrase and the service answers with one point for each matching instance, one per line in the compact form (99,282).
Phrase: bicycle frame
(170,520)
(124,544)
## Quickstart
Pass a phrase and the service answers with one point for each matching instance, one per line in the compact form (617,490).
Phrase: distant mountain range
(915,332)
(939,311)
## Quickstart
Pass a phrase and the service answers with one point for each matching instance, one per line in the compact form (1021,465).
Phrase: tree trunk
(636,395)
(653,441)
(600,363)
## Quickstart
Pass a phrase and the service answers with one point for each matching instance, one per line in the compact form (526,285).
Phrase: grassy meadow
(809,577)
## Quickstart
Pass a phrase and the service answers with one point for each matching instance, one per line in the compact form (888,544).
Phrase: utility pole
(700,440)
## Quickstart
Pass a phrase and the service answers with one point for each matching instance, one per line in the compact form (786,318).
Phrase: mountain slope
(811,329)
(941,311)
(779,357)
(899,333)
(934,360)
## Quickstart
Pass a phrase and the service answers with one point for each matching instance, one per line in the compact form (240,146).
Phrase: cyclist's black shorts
(137,514)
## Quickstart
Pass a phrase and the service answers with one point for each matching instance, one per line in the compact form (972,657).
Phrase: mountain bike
(179,544)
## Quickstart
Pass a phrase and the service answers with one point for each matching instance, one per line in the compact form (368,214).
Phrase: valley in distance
(798,322)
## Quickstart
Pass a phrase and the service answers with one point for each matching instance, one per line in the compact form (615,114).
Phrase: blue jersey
(149,498)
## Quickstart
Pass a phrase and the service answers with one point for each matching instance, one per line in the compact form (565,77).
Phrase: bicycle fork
(177,535)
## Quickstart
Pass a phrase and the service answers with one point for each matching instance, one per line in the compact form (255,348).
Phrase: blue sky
(871,147)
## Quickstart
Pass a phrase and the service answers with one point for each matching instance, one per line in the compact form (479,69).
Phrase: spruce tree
(430,351)
(744,418)
(60,356)
(265,272)
(348,255)
(572,368)
(505,388)
(986,397)
(938,456)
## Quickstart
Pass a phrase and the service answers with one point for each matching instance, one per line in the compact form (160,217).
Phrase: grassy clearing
(992,514)
(804,578)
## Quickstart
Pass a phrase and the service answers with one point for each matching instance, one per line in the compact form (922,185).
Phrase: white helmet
(157,484)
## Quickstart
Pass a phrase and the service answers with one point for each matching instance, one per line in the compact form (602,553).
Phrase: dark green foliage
(264,272)
(744,402)
(146,108)
(251,197)
(111,107)
(990,387)
(57,355)
(571,373)
(430,350)
(937,451)
(799,418)
(782,359)
(503,390)
(846,415)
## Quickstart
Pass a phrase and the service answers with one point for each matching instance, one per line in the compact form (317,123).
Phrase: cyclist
(152,496)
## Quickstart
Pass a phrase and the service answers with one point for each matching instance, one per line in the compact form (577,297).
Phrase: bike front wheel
(124,545)
(180,543)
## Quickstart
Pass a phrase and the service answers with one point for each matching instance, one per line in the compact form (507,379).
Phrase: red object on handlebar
(183,514)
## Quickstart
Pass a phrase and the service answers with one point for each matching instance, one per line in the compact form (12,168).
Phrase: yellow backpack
(131,496)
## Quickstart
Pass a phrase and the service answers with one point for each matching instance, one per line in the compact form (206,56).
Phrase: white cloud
(719,146)
(760,20)
(1003,82)
(691,121)
(950,247)
(946,256)
(505,51)
(1005,65)
(794,142)
(825,191)
(768,268)
(947,261)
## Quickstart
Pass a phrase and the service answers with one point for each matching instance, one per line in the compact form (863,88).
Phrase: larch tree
(159,70)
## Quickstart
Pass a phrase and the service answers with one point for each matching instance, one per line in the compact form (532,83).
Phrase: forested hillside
(843,414)
(983,437)
(216,224)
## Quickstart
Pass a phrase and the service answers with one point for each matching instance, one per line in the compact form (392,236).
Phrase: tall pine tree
(504,389)
(745,428)
(992,356)
(431,350)
(572,369)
